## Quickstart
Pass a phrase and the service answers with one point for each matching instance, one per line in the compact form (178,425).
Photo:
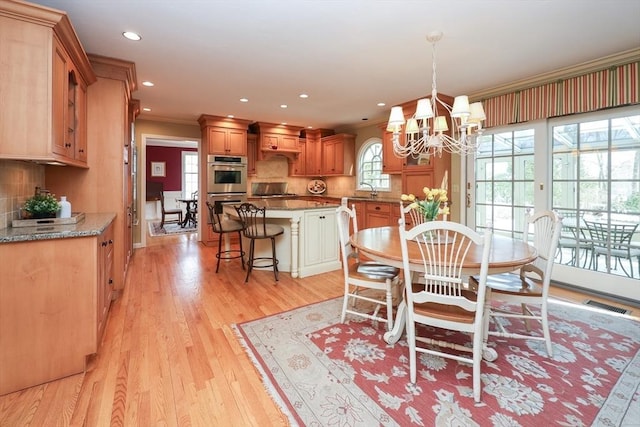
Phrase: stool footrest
(261,259)
(231,254)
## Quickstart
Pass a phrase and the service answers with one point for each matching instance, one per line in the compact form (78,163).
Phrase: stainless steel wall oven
(226,174)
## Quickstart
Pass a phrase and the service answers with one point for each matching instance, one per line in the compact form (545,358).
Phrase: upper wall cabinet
(223,135)
(45,74)
(338,154)
(275,139)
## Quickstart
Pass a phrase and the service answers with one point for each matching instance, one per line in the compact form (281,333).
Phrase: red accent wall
(172,156)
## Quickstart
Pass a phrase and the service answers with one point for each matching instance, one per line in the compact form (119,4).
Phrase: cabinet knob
(110,281)
(103,244)
(110,242)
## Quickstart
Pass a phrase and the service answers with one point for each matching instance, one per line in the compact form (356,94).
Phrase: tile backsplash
(276,169)
(18,181)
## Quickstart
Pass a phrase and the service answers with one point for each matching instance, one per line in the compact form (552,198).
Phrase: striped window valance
(613,87)
(500,110)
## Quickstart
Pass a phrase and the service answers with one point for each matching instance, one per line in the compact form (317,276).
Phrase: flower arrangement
(430,207)
(42,205)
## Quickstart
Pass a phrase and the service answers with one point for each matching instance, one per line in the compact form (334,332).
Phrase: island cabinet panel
(54,301)
(45,74)
(320,244)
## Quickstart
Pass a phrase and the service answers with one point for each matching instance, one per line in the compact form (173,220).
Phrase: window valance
(611,87)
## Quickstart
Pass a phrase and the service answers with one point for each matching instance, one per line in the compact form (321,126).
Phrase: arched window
(370,166)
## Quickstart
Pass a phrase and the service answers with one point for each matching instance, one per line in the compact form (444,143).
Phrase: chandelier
(425,132)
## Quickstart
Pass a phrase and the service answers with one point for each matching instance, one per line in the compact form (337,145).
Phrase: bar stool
(222,227)
(256,228)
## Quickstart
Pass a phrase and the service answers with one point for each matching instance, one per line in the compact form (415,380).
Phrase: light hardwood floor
(169,355)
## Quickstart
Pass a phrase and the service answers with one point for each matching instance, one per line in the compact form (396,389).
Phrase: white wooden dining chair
(527,287)
(441,298)
(360,275)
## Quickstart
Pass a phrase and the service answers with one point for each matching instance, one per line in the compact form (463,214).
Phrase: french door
(587,168)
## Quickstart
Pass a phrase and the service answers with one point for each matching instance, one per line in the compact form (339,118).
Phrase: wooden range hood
(277,140)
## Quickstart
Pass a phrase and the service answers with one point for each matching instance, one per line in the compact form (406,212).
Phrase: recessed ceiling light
(147,109)
(148,84)
(304,96)
(132,36)
(283,105)
(244,100)
(309,127)
(381,104)
(283,123)
(230,116)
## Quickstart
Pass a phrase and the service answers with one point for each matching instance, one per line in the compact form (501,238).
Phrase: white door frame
(167,140)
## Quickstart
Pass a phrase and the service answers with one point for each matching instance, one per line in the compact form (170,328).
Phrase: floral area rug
(324,373)
(171,228)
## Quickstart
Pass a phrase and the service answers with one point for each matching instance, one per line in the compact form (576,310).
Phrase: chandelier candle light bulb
(424,132)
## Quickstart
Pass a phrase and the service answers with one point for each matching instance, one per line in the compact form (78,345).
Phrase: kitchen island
(309,245)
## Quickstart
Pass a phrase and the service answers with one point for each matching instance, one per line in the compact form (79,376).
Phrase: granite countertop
(292,204)
(377,199)
(92,225)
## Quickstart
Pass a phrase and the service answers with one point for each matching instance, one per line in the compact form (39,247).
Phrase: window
(505,180)
(587,168)
(596,182)
(189,173)
(370,166)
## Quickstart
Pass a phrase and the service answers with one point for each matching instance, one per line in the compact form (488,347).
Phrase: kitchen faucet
(374,192)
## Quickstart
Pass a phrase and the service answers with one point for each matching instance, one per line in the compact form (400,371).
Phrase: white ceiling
(348,55)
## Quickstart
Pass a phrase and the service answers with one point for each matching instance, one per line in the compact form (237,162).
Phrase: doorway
(587,168)
(174,147)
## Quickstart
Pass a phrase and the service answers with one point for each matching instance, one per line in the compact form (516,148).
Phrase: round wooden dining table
(382,244)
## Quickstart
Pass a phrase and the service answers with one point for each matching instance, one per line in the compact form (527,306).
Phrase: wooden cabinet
(52,310)
(413,181)
(297,166)
(276,142)
(313,152)
(106,185)
(391,164)
(372,213)
(276,139)
(227,141)
(222,135)
(45,74)
(378,214)
(252,153)
(320,242)
(105,280)
(360,215)
(338,154)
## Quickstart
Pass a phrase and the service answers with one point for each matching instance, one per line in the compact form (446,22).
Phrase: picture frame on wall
(158,169)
